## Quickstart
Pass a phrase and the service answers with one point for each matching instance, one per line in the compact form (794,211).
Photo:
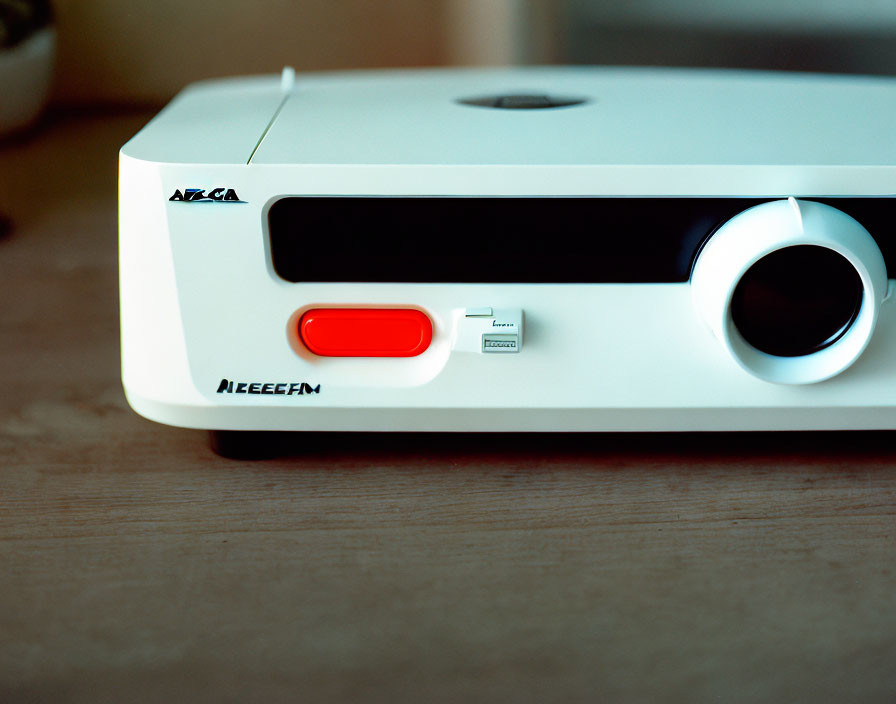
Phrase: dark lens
(797,300)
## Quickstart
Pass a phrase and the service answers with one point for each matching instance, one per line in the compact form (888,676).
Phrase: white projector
(547,249)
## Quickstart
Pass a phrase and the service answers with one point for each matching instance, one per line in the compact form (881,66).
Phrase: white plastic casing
(201,303)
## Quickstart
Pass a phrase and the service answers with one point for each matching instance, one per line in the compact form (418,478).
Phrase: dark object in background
(850,51)
(793,35)
(27,50)
(19,19)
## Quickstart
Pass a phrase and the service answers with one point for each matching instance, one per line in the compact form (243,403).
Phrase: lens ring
(733,259)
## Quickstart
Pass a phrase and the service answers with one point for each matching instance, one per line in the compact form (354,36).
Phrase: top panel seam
(268,127)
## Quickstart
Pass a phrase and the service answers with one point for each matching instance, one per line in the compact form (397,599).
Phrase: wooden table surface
(137,566)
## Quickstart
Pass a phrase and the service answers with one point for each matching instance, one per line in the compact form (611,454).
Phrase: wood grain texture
(137,566)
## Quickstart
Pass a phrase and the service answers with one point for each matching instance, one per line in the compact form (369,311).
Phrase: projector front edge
(541,249)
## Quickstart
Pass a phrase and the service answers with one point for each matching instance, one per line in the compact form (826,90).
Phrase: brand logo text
(214,195)
(297,388)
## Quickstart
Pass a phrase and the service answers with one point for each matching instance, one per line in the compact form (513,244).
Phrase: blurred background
(83,57)
(142,53)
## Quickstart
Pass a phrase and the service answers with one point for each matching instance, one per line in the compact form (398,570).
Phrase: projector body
(557,249)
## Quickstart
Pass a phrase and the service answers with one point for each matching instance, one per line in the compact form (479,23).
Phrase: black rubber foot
(5,226)
(246,444)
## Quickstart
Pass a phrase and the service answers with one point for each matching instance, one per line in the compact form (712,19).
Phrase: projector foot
(246,444)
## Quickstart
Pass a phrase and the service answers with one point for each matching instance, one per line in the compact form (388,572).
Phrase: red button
(365,332)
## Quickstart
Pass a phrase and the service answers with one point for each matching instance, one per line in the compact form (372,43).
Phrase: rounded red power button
(365,332)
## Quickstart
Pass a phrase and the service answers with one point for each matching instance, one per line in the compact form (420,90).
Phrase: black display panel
(511,240)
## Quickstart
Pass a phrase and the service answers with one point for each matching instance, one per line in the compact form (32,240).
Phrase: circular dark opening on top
(522,101)
(797,300)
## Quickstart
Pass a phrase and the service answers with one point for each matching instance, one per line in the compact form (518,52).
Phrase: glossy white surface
(632,116)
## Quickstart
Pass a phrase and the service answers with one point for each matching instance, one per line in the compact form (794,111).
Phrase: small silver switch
(490,330)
